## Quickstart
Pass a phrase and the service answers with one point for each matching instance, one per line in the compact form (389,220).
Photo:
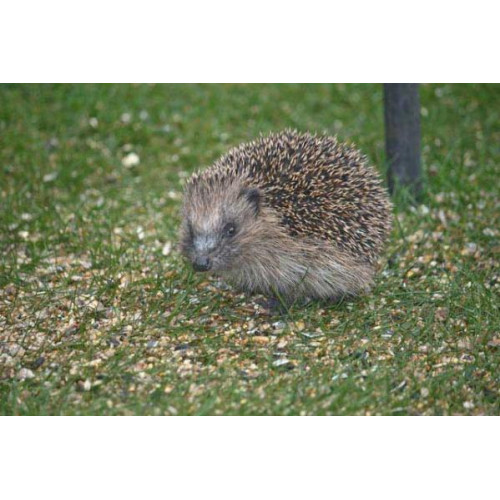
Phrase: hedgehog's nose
(202,264)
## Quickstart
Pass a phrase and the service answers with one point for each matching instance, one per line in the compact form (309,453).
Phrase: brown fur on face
(208,216)
(292,215)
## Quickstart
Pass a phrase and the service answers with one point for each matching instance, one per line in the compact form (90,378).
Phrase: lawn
(100,315)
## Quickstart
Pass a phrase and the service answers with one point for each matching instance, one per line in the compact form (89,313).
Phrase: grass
(99,314)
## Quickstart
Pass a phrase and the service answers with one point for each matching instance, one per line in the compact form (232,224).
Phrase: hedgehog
(292,216)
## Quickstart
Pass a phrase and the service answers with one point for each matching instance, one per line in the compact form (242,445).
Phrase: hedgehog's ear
(252,195)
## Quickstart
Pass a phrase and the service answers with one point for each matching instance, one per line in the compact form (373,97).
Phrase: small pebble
(470,248)
(50,177)
(131,160)
(126,330)
(279,326)
(310,335)
(174,195)
(387,334)
(260,339)
(25,373)
(281,362)
(299,325)
(15,350)
(166,248)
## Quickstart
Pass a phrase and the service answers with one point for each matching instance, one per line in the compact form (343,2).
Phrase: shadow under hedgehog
(291,215)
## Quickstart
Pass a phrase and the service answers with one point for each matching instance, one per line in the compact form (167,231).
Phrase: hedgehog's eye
(229,230)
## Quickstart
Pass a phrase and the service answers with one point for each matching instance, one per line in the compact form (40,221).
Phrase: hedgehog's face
(216,227)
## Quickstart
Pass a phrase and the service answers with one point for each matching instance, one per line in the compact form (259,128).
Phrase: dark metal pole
(402,135)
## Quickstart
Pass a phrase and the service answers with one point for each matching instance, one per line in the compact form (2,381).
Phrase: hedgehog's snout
(204,245)
(202,263)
